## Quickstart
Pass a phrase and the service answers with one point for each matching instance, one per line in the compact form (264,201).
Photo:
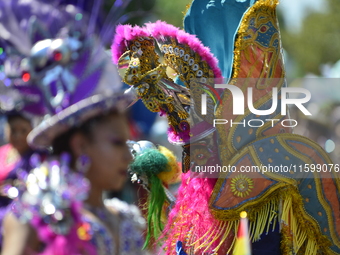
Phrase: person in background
(98,149)
(17,129)
(14,156)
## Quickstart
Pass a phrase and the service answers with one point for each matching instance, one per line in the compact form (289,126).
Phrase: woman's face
(18,129)
(109,154)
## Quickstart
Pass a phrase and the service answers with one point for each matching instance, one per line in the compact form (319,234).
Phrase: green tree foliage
(318,41)
(140,11)
(171,11)
(136,12)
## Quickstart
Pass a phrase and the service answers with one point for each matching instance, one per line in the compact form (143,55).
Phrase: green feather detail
(151,163)
(155,204)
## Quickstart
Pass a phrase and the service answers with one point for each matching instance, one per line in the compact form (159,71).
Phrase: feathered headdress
(58,64)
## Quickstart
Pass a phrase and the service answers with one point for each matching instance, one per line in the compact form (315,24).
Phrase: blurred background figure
(14,155)
(16,131)
(60,65)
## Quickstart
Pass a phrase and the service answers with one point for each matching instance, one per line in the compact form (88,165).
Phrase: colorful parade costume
(55,58)
(290,212)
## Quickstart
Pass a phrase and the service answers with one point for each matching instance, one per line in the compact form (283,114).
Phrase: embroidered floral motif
(241,185)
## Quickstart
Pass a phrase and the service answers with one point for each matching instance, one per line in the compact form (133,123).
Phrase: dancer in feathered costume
(293,212)
(56,60)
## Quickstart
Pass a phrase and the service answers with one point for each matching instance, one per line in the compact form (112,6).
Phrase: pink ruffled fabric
(159,30)
(125,33)
(69,244)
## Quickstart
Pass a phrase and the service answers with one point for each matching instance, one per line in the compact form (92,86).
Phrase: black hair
(62,142)
(16,115)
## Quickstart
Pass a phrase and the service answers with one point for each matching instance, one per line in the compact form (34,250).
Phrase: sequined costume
(56,211)
(130,223)
(290,212)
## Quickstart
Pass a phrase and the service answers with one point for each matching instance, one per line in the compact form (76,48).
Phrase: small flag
(242,245)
